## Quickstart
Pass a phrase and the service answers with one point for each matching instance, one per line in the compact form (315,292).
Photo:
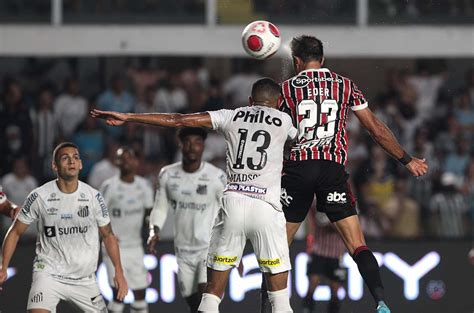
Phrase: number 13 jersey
(255,137)
(318,101)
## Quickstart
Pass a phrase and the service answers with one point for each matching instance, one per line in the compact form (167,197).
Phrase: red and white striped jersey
(318,101)
(327,242)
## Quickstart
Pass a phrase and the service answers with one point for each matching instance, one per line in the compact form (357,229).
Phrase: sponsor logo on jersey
(242,177)
(29,201)
(98,301)
(116,212)
(40,266)
(257,117)
(201,189)
(229,260)
(37,298)
(247,189)
(83,211)
(52,197)
(103,206)
(66,216)
(83,198)
(285,198)
(52,211)
(269,262)
(336,197)
(173,187)
(302,81)
(50,231)
(191,206)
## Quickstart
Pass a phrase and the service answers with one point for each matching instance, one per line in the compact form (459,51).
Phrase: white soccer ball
(261,39)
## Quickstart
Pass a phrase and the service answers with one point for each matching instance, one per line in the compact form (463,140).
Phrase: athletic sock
(139,306)
(370,272)
(115,307)
(265,306)
(209,303)
(280,301)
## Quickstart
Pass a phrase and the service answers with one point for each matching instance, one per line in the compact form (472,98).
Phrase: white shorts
(241,218)
(46,292)
(192,270)
(133,267)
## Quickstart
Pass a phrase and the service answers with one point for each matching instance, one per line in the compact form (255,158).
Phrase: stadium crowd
(431,121)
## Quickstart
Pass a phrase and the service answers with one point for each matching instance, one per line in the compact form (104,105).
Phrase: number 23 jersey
(255,138)
(318,101)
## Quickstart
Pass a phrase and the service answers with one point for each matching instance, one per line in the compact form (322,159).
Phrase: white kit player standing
(193,190)
(251,209)
(70,215)
(129,198)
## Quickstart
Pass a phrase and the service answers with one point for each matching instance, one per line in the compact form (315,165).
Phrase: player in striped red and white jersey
(318,100)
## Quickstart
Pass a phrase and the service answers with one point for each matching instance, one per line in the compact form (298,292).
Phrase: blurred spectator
(237,89)
(446,140)
(91,142)
(15,126)
(214,100)
(456,162)
(143,77)
(449,210)
(116,98)
(45,131)
(105,168)
(464,113)
(468,191)
(171,97)
(70,109)
(402,213)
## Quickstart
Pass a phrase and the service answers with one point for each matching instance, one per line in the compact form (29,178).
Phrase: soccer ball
(261,39)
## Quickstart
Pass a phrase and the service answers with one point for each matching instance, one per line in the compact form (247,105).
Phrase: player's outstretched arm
(159,119)
(9,246)
(385,138)
(111,245)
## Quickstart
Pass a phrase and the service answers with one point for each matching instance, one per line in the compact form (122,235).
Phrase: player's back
(318,101)
(255,138)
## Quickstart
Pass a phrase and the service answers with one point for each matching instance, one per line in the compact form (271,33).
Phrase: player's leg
(187,280)
(201,281)
(265,228)
(139,304)
(44,295)
(115,305)
(225,250)
(334,302)
(86,298)
(194,300)
(314,270)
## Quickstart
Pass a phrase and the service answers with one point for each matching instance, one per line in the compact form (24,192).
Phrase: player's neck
(312,65)
(191,166)
(67,186)
(127,178)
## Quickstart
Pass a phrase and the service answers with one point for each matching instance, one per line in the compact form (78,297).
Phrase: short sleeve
(292,131)
(356,99)
(30,210)
(101,211)
(220,118)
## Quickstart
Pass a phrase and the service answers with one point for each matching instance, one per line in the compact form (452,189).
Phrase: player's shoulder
(86,190)
(211,168)
(166,170)
(110,181)
(142,182)
(48,189)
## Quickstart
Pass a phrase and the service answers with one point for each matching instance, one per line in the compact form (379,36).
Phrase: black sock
(370,272)
(193,302)
(265,306)
(334,306)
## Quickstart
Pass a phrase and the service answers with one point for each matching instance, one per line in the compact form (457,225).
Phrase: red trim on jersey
(335,95)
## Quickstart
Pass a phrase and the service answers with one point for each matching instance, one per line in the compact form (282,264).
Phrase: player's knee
(139,306)
(115,307)
(280,301)
(209,303)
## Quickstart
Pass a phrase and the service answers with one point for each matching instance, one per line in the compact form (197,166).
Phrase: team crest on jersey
(83,211)
(202,189)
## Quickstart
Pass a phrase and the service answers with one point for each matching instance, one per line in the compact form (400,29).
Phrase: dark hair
(307,48)
(187,131)
(62,145)
(265,89)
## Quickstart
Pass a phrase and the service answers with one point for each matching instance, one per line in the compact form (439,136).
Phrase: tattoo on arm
(106,231)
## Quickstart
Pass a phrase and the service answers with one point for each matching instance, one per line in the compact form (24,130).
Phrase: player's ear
(54,166)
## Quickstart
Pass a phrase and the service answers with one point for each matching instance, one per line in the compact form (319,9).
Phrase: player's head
(265,92)
(192,141)
(126,160)
(66,161)
(306,49)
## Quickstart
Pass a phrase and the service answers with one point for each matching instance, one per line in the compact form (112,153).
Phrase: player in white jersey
(251,209)
(129,198)
(70,215)
(193,189)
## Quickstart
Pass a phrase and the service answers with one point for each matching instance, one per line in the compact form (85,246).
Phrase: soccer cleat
(382,308)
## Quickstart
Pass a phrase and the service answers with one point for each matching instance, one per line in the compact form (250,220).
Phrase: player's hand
(152,242)
(121,285)
(110,117)
(417,167)
(240,269)
(3,276)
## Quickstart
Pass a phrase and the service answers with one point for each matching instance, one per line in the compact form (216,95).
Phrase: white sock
(280,301)
(139,306)
(115,307)
(209,303)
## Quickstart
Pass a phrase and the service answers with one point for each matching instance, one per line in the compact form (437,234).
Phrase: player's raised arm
(385,138)
(111,245)
(159,119)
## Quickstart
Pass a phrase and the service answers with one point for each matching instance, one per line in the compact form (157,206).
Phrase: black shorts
(327,267)
(302,180)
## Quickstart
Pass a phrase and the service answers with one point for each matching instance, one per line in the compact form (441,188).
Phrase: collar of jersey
(322,69)
(198,170)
